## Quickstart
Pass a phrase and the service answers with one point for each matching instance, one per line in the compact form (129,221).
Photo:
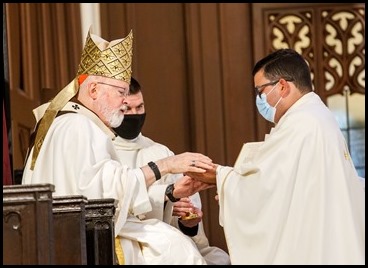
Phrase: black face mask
(131,126)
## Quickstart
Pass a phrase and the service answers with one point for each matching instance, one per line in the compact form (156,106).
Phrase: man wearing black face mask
(134,115)
(135,150)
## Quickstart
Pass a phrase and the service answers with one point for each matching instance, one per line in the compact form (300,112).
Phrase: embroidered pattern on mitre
(113,61)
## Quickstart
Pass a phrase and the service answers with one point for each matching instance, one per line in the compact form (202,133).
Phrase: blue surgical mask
(264,108)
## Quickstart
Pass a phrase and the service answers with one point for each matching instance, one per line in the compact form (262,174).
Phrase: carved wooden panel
(100,234)
(330,36)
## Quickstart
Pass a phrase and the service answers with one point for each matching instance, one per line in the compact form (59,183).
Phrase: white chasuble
(297,199)
(78,157)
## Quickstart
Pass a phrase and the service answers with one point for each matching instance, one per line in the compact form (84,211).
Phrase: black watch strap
(169,193)
(155,170)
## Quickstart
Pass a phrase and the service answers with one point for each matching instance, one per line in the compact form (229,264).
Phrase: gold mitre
(110,59)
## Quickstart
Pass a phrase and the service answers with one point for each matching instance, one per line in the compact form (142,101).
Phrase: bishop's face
(110,98)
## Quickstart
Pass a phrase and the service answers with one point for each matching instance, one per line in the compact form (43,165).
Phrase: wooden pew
(41,229)
(84,230)
(100,231)
(28,224)
(70,229)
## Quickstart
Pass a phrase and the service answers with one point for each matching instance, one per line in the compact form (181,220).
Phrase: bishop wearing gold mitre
(72,148)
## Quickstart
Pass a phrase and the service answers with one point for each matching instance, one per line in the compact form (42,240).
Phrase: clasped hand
(187,186)
(209,176)
(188,162)
(183,208)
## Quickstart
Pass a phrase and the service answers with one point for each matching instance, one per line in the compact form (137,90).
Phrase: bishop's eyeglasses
(122,91)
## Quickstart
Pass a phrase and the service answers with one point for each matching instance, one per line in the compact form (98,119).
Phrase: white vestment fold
(298,198)
(139,152)
(78,157)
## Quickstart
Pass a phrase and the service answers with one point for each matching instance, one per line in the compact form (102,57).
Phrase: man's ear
(285,88)
(92,90)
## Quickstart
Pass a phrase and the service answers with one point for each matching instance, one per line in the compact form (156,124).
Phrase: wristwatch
(169,193)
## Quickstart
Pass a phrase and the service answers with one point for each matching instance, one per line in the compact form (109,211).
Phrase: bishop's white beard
(113,118)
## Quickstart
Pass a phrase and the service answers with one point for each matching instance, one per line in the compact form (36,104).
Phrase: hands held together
(188,162)
(199,168)
(194,165)
(188,214)
(209,176)
(187,186)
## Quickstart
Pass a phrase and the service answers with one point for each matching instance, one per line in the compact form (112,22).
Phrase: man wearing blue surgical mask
(185,214)
(264,108)
(294,198)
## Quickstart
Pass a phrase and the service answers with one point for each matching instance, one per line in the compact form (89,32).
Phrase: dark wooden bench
(41,229)
(100,231)
(28,224)
(70,229)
